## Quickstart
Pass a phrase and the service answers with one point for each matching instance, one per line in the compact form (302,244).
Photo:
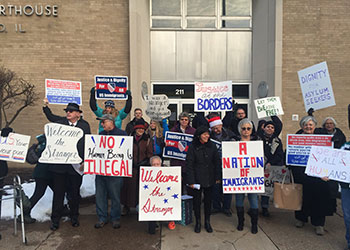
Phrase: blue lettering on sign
(224,103)
(243,181)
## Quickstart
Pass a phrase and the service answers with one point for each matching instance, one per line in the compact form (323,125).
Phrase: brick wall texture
(315,31)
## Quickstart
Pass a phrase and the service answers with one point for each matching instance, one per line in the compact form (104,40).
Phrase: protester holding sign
(110,108)
(221,202)
(66,172)
(142,152)
(182,126)
(245,127)
(318,201)
(345,202)
(277,125)
(330,126)
(203,165)
(157,134)
(108,186)
(274,156)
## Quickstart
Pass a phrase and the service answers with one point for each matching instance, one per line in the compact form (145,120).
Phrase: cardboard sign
(213,96)
(111,87)
(108,155)
(269,106)
(243,167)
(329,162)
(62,91)
(316,87)
(14,147)
(275,174)
(157,107)
(61,144)
(160,194)
(176,145)
(298,147)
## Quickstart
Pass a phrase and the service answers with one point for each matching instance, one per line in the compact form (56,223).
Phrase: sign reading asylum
(10,10)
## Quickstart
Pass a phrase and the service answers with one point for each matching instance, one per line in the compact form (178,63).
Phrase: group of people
(202,166)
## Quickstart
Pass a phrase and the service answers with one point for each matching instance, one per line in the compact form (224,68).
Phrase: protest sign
(243,167)
(14,147)
(213,96)
(61,144)
(160,194)
(274,174)
(111,87)
(329,162)
(62,91)
(108,155)
(176,145)
(268,106)
(316,87)
(157,107)
(298,147)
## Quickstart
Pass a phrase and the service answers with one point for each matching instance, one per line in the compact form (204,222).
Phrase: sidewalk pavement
(276,232)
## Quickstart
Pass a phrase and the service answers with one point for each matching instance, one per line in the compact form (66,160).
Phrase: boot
(254,220)
(240,215)
(208,226)
(197,227)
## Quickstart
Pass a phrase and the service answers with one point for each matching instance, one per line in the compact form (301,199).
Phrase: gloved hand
(310,111)
(128,92)
(5,131)
(92,91)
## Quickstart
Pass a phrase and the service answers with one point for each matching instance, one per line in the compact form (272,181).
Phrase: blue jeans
(220,200)
(253,200)
(345,203)
(265,201)
(108,186)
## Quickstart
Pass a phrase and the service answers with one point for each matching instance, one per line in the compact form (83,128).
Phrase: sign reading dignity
(298,147)
(111,87)
(176,145)
(62,92)
(269,106)
(160,194)
(333,163)
(108,155)
(61,144)
(316,87)
(243,167)
(213,96)
(157,107)
(14,147)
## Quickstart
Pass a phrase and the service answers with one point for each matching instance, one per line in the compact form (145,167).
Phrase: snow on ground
(42,210)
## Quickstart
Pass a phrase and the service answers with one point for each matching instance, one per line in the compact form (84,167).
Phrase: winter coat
(199,120)
(338,137)
(318,196)
(174,162)
(273,150)
(158,142)
(278,126)
(203,163)
(142,151)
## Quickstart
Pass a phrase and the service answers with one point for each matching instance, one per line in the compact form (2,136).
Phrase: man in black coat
(66,172)
(137,117)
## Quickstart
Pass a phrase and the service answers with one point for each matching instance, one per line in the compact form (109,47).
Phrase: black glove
(5,131)
(310,111)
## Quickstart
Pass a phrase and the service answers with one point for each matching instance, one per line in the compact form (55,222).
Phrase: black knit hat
(269,123)
(201,130)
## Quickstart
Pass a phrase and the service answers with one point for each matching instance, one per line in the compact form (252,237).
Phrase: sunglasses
(70,111)
(246,128)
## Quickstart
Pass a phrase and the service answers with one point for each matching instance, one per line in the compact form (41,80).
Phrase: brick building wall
(87,38)
(315,31)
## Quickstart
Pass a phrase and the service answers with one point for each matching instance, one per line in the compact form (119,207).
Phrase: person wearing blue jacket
(119,115)
(157,135)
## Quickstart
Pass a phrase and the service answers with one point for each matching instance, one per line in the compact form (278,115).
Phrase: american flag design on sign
(111,87)
(182,145)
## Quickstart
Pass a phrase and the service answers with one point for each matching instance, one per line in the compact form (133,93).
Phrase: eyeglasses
(70,111)
(246,128)
(183,119)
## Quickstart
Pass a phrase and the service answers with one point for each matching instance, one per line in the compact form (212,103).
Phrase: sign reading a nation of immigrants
(14,147)
(160,194)
(108,155)
(61,144)
(243,167)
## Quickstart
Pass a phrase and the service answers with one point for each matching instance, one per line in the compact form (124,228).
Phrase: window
(201,14)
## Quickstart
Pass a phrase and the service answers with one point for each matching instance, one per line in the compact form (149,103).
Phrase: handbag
(288,196)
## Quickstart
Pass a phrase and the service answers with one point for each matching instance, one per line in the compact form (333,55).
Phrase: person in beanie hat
(142,152)
(221,202)
(203,166)
(119,115)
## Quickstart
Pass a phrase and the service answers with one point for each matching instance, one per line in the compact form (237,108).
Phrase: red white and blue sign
(176,145)
(111,87)
(63,91)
